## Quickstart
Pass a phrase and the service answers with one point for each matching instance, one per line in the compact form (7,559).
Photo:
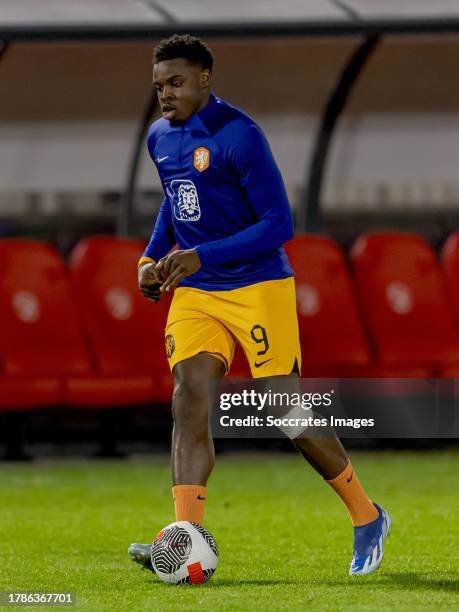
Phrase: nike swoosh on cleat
(257,365)
(374,552)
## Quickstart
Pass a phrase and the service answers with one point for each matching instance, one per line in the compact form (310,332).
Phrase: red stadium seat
(125,331)
(404,303)
(240,367)
(21,393)
(332,338)
(40,339)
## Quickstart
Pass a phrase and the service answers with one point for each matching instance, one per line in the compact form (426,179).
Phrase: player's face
(183,88)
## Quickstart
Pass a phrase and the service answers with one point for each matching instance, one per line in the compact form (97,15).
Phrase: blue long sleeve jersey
(224,196)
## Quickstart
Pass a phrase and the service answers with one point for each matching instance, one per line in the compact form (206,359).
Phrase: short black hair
(189,47)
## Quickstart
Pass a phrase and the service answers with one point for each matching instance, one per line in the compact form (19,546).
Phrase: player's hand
(150,280)
(176,266)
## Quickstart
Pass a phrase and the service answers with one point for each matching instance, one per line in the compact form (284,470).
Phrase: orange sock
(359,506)
(189,501)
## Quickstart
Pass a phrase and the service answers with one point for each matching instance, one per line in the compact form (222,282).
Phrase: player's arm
(264,187)
(161,242)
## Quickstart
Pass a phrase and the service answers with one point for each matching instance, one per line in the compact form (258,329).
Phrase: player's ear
(205,78)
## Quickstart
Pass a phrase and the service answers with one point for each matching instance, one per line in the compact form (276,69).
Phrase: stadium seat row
(84,336)
(394,313)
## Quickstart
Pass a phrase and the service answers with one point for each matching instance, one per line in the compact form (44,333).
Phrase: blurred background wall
(68,114)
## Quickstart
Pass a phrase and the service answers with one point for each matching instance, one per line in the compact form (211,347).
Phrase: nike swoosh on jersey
(161,159)
(257,365)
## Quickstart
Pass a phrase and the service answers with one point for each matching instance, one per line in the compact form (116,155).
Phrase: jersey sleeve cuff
(143,260)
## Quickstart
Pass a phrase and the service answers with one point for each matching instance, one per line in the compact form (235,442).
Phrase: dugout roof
(98,19)
(54,20)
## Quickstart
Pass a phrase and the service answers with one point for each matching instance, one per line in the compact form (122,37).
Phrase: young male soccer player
(226,208)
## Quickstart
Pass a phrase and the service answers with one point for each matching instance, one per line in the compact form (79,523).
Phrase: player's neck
(204,102)
(201,107)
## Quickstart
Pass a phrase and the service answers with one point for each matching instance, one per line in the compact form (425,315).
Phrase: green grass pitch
(285,539)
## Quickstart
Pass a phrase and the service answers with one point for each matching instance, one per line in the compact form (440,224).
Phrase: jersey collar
(197,121)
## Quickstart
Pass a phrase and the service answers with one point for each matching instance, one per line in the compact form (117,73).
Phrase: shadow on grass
(243,583)
(412,580)
(407,581)
(215,583)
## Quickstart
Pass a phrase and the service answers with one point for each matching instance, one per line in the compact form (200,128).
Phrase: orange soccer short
(261,317)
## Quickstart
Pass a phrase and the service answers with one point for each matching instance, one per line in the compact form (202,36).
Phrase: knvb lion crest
(201,159)
(185,200)
(170,345)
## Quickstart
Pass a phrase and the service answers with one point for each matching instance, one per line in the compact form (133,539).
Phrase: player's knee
(190,404)
(191,388)
(192,395)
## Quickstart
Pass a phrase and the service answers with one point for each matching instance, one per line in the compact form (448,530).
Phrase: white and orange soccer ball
(184,553)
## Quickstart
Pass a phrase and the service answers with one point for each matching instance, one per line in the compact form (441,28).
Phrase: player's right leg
(199,350)
(192,456)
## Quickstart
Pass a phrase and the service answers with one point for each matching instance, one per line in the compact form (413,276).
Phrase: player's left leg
(371,523)
(271,343)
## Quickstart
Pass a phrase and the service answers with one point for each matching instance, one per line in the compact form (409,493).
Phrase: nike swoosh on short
(161,159)
(199,497)
(257,365)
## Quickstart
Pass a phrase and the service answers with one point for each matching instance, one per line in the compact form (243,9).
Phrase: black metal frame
(351,24)
(342,27)
(127,203)
(4,46)
(309,216)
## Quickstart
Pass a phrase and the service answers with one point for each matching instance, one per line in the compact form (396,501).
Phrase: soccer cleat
(141,554)
(369,544)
